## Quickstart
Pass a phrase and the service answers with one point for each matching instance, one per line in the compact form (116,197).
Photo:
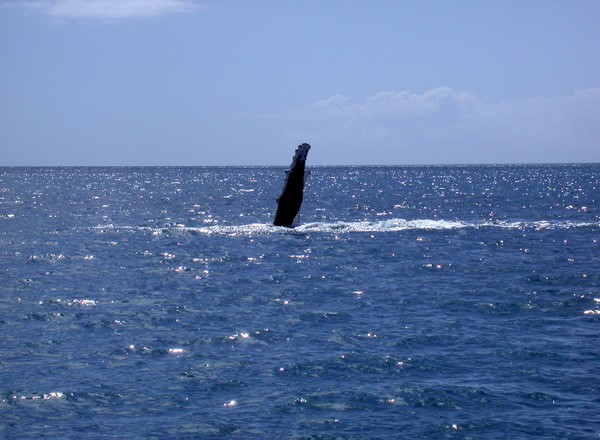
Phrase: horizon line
(308,166)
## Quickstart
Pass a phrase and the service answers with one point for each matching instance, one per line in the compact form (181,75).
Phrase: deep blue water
(413,302)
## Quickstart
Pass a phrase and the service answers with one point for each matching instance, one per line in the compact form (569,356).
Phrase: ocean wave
(389,225)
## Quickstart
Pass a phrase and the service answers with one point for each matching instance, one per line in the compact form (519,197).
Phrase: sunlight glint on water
(424,302)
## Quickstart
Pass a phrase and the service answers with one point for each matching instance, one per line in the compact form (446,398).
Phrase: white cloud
(445,126)
(400,103)
(108,9)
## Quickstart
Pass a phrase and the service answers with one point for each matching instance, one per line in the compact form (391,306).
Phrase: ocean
(429,302)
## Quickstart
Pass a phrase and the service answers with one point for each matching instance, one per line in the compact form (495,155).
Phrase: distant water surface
(412,302)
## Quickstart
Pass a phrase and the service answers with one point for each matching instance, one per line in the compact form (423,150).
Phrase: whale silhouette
(290,200)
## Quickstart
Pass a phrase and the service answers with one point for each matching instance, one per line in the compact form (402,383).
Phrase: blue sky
(194,82)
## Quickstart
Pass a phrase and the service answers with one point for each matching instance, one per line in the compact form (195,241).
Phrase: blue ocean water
(412,302)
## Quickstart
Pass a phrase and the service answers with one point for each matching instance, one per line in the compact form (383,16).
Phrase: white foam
(346,227)
(389,225)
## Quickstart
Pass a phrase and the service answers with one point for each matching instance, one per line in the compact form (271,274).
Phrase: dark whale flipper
(290,200)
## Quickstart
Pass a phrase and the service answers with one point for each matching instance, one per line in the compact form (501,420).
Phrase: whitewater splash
(380,226)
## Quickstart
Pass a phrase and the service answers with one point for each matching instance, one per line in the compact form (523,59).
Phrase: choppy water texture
(412,302)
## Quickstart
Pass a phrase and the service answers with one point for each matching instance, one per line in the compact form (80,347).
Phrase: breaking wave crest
(389,225)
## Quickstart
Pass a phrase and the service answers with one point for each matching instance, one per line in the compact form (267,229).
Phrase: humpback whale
(290,200)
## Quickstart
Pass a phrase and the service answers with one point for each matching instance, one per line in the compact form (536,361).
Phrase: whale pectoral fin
(290,200)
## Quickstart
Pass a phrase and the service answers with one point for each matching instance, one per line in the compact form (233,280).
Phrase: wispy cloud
(108,9)
(443,125)
(405,103)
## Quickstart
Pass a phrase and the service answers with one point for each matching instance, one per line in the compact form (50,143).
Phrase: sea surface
(434,302)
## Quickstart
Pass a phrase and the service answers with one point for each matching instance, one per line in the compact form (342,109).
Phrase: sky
(238,82)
